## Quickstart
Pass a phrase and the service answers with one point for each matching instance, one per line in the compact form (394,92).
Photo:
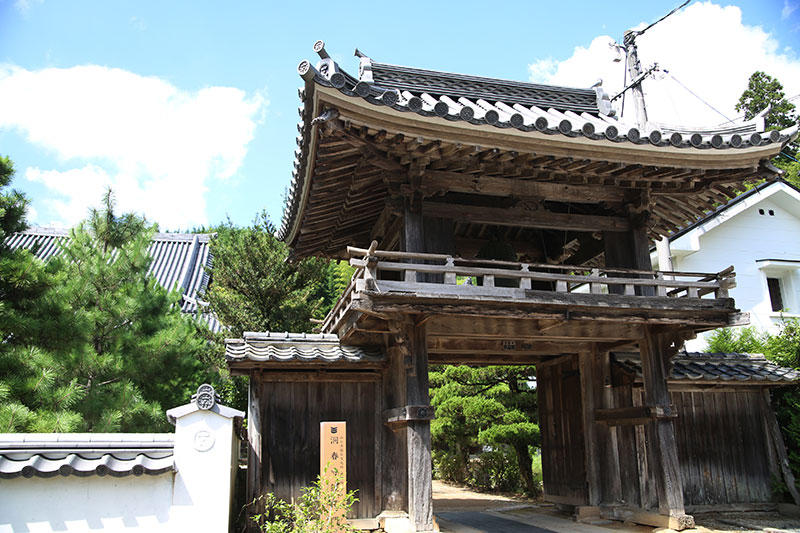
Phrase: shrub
(321,508)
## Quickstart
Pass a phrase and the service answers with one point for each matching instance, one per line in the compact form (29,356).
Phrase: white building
(758,233)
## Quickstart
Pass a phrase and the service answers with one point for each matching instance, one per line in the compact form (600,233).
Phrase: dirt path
(449,499)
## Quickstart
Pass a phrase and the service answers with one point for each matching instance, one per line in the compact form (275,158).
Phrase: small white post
(206,459)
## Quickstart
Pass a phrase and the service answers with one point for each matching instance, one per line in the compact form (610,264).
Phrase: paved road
(489,523)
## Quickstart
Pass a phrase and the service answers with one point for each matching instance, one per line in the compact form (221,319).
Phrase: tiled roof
(457,86)
(520,105)
(85,454)
(728,367)
(296,347)
(502,104)
(180,260)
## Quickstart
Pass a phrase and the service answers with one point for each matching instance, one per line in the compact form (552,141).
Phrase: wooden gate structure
(415,176)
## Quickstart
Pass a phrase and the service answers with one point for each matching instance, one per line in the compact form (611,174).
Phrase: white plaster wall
(741,241)
(92,503)
(197,498)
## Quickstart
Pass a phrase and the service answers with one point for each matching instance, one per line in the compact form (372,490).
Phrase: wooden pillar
(611,481)
(255,447)
(420,490)
(395,456)
(591,452)
(662,450)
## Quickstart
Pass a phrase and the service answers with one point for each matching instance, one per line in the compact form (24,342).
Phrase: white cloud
(156,145)
(706,47)
(788,9)
(23,6)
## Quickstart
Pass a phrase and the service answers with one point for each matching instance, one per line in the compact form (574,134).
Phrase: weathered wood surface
(291,413)
(524,218)
(420,493)
(589,394)
(561,426)
(662,451)
(255,468)
(776,440)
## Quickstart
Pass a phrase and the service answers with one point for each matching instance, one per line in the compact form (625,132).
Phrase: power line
(698,97)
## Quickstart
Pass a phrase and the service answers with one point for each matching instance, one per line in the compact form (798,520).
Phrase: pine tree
(765,92)
(120,353)
(257,288)
(492,407)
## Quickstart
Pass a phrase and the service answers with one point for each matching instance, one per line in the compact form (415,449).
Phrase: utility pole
(635,73)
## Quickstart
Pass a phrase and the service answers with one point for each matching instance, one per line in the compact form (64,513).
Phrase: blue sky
(188,109)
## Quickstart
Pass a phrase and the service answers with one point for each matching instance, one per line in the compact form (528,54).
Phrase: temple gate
(491,222)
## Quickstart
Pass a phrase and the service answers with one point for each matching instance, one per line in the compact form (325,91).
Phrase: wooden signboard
(333,464)
(333,449)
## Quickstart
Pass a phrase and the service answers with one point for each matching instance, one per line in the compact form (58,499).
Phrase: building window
(775,296)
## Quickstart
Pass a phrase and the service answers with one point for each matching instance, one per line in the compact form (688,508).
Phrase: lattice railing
(390,271)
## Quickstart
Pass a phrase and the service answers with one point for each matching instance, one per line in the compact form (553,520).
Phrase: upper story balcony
(508,302)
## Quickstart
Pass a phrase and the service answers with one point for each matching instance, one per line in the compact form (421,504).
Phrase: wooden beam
(519,217)
(622,416)
(500,348)
(641,516)
(530,330)
(438,181)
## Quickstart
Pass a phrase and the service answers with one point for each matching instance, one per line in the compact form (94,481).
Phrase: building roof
(732,368)
(778,182)
(360,136)
(85,454)
(306,349)
(181,261)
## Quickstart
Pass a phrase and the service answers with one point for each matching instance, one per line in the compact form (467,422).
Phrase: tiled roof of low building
(180,260)
(85,454)
(314,348)
(717,367)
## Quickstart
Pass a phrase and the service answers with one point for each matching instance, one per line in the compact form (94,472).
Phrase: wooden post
(774,432)
(255,447)
(591,455)
(420,490)
(395,456)
(662,449)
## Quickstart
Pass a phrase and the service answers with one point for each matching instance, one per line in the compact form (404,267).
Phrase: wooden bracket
(409,413)
(626,416)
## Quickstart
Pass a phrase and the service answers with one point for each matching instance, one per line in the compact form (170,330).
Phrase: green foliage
(782,348)
(321,508)
(485,426)
(99,345)
(256,287)
(765,91)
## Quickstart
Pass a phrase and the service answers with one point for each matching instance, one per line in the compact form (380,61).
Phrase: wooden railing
(380,270)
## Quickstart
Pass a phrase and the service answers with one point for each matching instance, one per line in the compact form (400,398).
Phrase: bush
(321,508)
(496,470)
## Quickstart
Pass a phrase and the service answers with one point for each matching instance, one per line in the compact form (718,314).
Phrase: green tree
(763,91)
(485,408)
(120,354)
(782,348)
(256,287)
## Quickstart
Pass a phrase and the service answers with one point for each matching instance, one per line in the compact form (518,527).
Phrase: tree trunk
(525,470)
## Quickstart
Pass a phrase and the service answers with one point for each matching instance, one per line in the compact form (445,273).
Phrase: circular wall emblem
(203,440)
(206,396)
